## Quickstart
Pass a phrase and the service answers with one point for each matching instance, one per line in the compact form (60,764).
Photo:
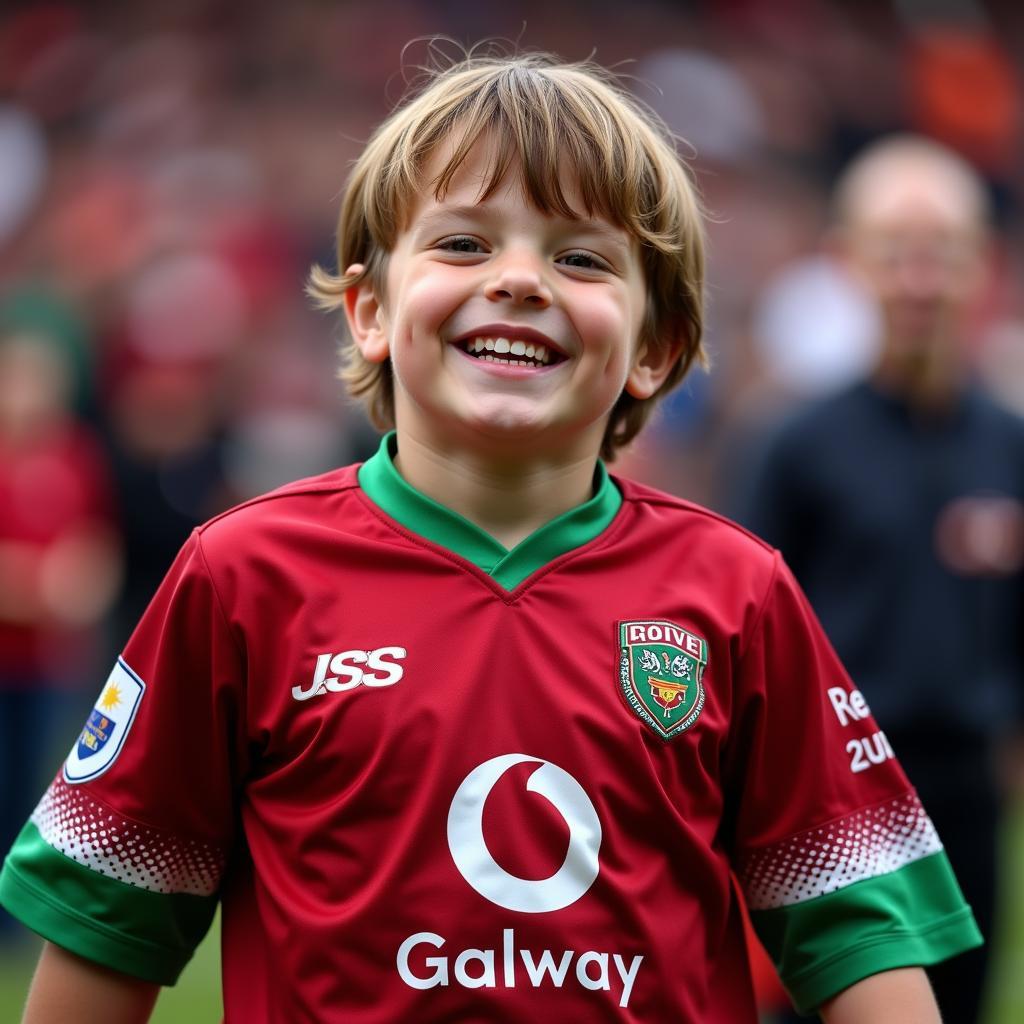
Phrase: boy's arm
(68,987)
(901,996)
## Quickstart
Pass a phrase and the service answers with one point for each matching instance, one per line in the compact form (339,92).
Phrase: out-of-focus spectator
(59,558)
(813,328)
(899,504)
(23,166)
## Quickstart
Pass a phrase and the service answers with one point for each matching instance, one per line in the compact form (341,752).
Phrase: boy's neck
(507,500)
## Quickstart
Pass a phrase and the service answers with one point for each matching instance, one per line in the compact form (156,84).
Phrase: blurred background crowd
(170,170)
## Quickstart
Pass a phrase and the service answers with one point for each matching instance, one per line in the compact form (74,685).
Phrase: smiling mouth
(510,353)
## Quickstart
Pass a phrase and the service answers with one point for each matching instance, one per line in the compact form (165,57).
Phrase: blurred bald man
(899,504)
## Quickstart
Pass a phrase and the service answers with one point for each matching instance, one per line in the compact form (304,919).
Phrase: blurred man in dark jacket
(899,504)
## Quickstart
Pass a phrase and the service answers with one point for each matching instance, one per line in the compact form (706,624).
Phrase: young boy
(472,731)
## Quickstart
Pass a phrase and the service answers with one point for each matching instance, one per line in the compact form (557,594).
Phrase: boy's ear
(365,317)
(651,365)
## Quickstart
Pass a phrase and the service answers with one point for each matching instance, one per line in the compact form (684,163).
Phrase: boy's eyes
(577,259)
(461,243)
(580,260)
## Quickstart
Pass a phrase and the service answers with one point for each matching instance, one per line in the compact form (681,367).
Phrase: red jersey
(432,780)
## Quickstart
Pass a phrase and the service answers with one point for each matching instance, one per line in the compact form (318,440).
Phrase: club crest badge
(104,732)
(661,666)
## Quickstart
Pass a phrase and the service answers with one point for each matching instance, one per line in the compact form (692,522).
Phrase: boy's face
(507,327)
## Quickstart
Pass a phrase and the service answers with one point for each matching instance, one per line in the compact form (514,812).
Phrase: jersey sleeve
(122,859)
(842,869)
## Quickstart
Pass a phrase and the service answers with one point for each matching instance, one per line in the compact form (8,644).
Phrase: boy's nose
(519,281)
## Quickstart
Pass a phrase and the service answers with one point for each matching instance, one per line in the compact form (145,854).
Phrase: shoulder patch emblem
(660,670)
(105,730)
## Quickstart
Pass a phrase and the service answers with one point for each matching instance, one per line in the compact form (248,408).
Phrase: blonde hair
(545,117)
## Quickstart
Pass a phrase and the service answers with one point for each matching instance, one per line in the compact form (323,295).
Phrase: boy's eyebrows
(442,214)
(478,213)
(601,229)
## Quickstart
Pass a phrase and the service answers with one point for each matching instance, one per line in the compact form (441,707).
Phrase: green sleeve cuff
(146,934)
(915,916)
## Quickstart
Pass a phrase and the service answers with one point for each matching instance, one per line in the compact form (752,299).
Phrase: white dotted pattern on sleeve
(871,842)
(97,837)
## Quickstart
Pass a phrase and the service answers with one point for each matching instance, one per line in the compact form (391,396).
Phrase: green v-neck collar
(383,485)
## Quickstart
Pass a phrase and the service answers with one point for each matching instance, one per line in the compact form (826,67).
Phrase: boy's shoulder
(681,511)
(314,502)
(706,538)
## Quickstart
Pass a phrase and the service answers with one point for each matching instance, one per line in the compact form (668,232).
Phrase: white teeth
(502,346)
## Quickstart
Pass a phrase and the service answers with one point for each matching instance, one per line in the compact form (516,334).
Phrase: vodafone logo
(420,962)
(475,863)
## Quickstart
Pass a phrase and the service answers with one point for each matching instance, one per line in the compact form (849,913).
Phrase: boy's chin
(506,436)
(528,437)
(501,415)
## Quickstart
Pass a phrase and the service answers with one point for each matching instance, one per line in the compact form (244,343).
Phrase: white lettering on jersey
(487,876)
(848,705)
(592,968)
(868,751)
(491,968)
(346,671)
(664,632)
